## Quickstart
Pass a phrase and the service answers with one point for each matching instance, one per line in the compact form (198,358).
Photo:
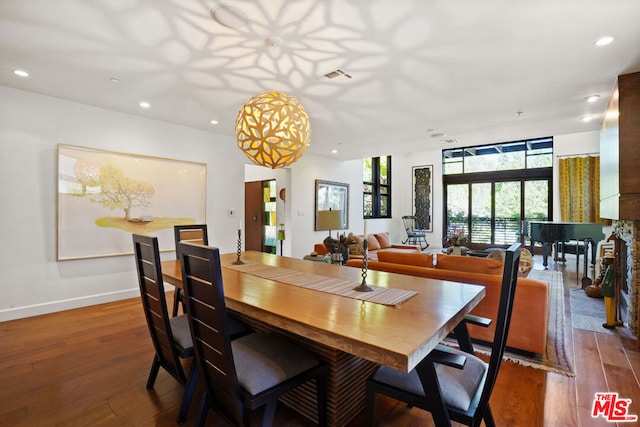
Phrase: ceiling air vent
(337,73)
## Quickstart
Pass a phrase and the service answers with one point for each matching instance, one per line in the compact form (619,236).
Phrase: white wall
(302,201)
(31,126)
(403,200)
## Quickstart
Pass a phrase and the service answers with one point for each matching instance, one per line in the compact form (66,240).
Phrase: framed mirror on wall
(331,196)
(423,196)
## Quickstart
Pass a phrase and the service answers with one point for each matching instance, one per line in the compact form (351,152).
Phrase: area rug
(559,355)
(587,312)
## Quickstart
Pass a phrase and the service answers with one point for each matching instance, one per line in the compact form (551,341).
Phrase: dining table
(315,304)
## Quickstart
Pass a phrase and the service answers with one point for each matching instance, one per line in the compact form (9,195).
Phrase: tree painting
(105,196)
(109,186)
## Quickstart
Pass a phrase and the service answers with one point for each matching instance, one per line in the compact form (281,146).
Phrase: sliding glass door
(490,190)
(490,213)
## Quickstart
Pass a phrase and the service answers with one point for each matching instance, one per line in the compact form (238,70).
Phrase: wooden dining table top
(395,336)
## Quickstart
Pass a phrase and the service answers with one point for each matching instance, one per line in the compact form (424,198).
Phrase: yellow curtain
(579,189)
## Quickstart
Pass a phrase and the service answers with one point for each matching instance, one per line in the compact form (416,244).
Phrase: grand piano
(550,232)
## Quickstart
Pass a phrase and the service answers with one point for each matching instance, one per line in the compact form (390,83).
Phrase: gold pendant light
(272,127)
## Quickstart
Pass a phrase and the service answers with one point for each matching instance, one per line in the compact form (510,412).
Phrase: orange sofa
(376,243)
(530,318)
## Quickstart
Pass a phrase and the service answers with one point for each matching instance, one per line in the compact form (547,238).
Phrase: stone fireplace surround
(628,257)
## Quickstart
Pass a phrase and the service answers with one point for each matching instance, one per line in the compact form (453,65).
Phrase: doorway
(260,216)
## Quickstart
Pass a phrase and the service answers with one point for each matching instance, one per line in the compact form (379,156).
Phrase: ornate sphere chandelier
(272,127)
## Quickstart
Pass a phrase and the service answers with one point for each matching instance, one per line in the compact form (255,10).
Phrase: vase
(456,250)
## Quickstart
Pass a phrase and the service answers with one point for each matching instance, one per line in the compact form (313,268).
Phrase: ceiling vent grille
(337,73)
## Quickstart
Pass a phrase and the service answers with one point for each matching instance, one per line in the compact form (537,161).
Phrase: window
(376,197)
(489,190)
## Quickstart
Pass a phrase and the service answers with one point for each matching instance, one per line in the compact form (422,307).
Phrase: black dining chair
(453,384)
(170,335)
(247,373)
(193,233)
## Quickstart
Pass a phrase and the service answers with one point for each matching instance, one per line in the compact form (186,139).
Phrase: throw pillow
(372,243)
(526,263)
(355,245)
(384,239)
(496,254)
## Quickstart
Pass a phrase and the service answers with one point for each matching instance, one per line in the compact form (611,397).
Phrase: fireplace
(627,263)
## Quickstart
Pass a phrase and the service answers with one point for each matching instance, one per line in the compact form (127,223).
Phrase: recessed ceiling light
(586,119)
(213,122)
(593,98)
(21,73)
(144,104)
(603,41)
(334,151)
(438,135)
(114,80)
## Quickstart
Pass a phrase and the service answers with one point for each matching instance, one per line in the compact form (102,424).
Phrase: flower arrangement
(457,239)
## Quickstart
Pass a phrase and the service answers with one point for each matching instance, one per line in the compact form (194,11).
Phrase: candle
(365,229)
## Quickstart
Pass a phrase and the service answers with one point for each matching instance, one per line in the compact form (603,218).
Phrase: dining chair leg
(155,367)
(488,418)
(203,411)
(188,393)
(269,413)
(431,384)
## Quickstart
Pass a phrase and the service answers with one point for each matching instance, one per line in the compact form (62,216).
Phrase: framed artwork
(422,196)
(105,196)
(332,196)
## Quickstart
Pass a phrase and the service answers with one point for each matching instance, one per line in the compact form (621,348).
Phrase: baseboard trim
(66,304)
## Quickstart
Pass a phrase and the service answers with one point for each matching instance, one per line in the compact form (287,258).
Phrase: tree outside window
(376,197)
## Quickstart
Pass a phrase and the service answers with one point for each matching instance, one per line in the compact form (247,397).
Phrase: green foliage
(114,189)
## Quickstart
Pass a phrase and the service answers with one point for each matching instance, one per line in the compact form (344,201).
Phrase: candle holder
(364,287)
(238,261)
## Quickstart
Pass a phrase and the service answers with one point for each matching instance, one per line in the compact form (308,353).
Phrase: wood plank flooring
(89,367)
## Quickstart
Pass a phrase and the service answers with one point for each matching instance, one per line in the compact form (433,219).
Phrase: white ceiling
(463,68)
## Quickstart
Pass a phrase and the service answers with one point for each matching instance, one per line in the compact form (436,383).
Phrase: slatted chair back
(194,233)
(268,365)
(479,409)
(204,295)
(503,321)
(170,335)
(454,384)
(147,257)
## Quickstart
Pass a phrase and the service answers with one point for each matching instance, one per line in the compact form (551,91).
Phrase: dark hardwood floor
(89,367)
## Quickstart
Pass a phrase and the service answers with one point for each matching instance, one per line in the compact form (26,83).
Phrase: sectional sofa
(530,318)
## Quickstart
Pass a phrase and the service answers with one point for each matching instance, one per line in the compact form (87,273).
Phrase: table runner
(331,285)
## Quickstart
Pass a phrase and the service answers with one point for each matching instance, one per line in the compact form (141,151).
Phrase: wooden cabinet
(620,152)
